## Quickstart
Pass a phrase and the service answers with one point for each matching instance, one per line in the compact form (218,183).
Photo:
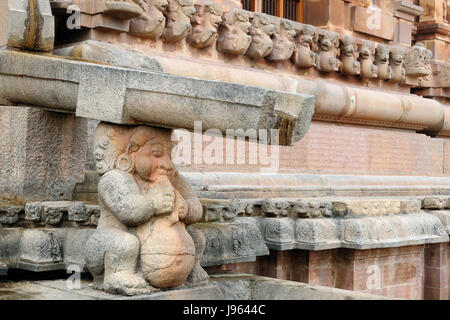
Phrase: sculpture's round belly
(167,252)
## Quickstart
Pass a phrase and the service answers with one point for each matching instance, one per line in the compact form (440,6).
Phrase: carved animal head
(366,50)
(396,56)
(307,35)
(205,23)
(383,53)
(348,45)
(283,41)
(417,61)
(233,32)
(179,14)
(151,24)
(327,41)
(261,31)
(144,151)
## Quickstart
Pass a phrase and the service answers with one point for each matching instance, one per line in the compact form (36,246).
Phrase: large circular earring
(125,163)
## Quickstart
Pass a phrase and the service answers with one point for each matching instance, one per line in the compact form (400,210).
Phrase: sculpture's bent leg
(198,274)
(111,257)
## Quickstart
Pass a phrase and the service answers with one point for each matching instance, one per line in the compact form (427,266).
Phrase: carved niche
(397,64)
(261,32)
(205,23)
(384,70)
(304,55)
(179,14)
(366,58)
(349,56)
(328,52)
(141,239)
(233,33)
(283,41)
(152,22)
(417,61)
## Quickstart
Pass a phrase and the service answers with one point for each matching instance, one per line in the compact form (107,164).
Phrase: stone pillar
(42,154)
(436,272)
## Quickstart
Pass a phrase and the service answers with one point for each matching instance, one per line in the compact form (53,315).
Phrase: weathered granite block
(27,24)
(42,154)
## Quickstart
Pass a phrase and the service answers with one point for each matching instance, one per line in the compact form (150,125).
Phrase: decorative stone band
(359,233)
(52,235)
(257,36)
(125,96)
(45,249)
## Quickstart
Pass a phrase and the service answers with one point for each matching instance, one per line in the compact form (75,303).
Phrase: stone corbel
(283,41)
(261,31)
(328,52)
(367,59)
(178,20)
(233,32)
(205,23)
(304,55)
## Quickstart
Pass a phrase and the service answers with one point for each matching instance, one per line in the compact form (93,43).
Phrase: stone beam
(27,24)
(125,96)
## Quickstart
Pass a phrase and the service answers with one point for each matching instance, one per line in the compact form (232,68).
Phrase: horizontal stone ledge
(126,96)
(359,233)
(230,185)
(52,248)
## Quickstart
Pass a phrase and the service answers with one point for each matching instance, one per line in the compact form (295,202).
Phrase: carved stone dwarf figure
(328,52)
(233,33)
(396,63)
(304,55)
(384,70)
(283,41)
(141,239)
(151,24)
(205,22)
(366,58)
(349,56)
(179,14)
(261,32)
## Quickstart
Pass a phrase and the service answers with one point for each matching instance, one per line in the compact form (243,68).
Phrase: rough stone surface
(42,154)
(229,287)
(27,24)
(238,286)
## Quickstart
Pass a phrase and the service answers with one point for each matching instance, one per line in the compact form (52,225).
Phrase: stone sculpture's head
(348,46)
(396,56)
(151,24)
(233,32)
(283,41)
(366,50)
(383,52)
(327,41)
(417,61)
(307,35)
(179,14)
(205,22)
(142,151)
(261,31)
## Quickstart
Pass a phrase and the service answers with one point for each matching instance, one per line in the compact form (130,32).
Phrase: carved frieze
(205,23)
(382,61)
(283,41)
(349,56)
(261,31)
(328,52)
(233,32)
(178,25)
(367,58)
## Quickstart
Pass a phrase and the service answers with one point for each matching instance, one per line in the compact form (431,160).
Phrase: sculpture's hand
(163,197)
